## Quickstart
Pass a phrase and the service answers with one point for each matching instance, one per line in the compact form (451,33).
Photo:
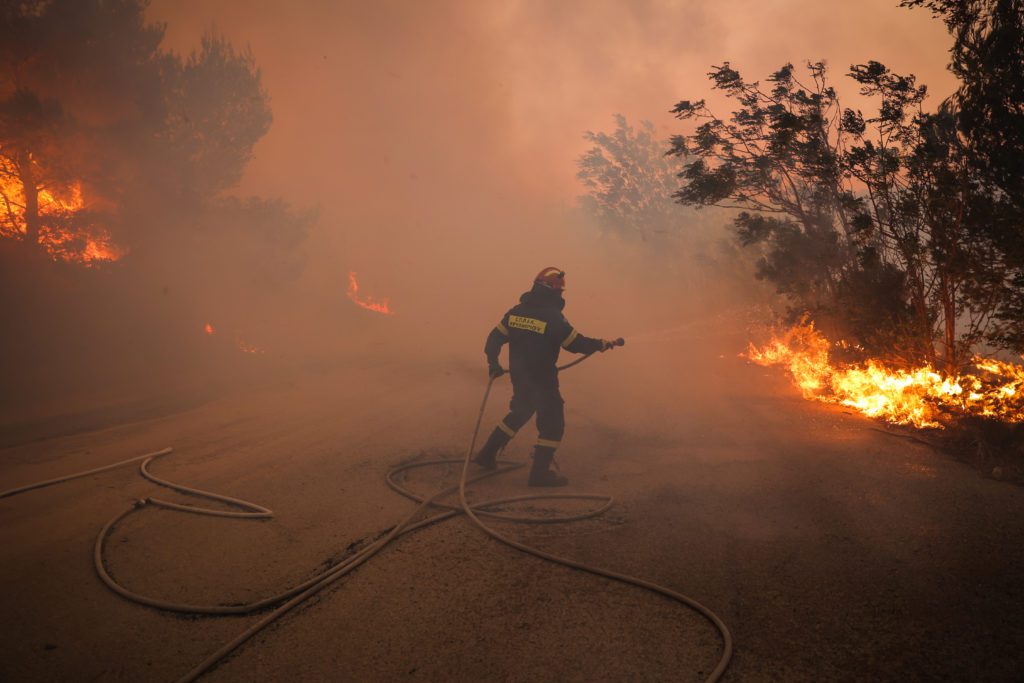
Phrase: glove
(495,371)
(607,345)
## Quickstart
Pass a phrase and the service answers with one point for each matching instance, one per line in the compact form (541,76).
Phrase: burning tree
(875,225)
(94,117)
(69,102)
(113,149)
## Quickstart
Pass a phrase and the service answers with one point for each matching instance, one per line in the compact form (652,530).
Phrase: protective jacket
(536,331)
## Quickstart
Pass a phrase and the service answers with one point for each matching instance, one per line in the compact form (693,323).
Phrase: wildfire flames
(366,302)
(921,397)
(63,234)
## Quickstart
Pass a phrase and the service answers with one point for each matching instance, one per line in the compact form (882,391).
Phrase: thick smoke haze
(438,140)
(433,148)
(404,95)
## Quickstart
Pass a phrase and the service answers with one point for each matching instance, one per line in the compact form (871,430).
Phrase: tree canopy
(99,125)
(881,225)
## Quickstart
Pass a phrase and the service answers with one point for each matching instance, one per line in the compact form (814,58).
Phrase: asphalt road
(833,551)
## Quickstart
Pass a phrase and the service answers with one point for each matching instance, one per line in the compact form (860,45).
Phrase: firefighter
(536,331)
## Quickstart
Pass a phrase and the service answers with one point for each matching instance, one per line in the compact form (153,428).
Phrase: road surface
(833,551)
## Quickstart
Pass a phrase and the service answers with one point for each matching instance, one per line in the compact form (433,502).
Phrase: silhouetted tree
(778,161)
(988,109)
(926,209)
(878,224)
(987,56)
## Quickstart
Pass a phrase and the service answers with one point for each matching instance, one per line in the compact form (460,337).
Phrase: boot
(487,457)
(541,473)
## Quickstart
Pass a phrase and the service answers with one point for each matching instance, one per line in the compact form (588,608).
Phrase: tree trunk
(33,223)
(924,328)
(951,358)
(950,281)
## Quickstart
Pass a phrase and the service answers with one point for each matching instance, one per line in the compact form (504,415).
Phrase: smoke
(439,140)
(431,149)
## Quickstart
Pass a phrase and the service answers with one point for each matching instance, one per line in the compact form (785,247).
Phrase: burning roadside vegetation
(976,415)
(895,225)
(121,214)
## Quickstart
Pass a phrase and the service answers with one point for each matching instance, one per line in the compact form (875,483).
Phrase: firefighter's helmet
(552,278)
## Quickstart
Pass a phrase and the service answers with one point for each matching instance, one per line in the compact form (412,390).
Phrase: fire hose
(296,595)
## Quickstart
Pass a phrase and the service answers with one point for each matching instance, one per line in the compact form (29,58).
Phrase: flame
(366,302)
(208,328)
(88,245)
(921,396)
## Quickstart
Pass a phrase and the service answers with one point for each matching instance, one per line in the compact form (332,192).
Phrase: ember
(921,396)
(366,302)
(245,347)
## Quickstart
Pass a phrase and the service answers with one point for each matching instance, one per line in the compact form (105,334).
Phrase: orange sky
(382,94)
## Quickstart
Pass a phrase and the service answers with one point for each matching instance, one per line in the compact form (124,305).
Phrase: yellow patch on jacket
(532,324)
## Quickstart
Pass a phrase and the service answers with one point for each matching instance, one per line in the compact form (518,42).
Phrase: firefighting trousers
(543,399)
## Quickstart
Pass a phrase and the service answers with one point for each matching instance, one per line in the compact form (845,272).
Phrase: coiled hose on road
(293,597)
